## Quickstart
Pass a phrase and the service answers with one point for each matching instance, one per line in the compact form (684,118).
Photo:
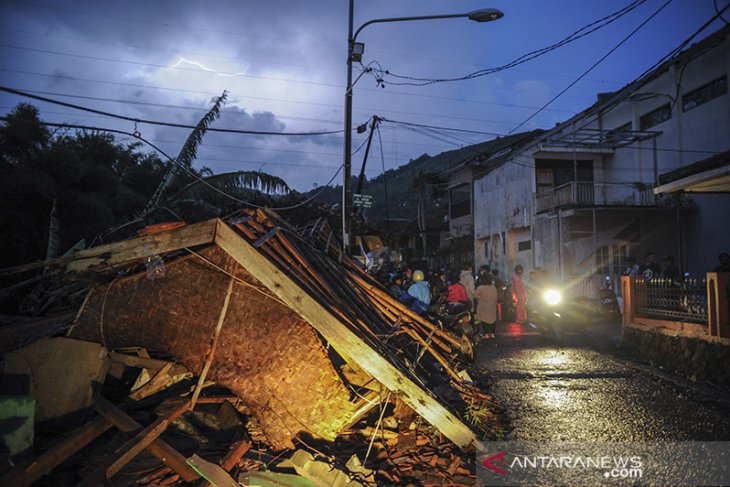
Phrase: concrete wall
(503,202)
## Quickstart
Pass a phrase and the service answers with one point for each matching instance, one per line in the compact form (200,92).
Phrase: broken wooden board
(343,339)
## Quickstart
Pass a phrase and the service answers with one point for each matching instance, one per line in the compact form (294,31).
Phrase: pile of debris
(305,349)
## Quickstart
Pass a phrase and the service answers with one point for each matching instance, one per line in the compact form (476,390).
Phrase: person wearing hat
(419,290)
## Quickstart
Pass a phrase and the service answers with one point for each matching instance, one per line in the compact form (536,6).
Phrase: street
(578,391)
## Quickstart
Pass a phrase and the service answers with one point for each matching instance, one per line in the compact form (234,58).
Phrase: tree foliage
(99,184)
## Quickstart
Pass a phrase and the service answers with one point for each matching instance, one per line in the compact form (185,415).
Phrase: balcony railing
(588,193)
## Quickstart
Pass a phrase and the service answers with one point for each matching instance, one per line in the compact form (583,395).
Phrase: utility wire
(585,73)
(155,122)
(672,54)
(578,34)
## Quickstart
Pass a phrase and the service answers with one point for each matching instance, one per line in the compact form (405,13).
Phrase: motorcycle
(609,309)
(457,320)
(544,311)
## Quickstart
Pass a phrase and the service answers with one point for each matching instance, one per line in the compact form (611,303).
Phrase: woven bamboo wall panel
(266,354)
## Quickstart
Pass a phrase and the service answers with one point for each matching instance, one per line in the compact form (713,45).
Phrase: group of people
(649,269)
(482,294)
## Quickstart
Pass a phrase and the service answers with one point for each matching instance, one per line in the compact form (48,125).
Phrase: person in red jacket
(457,292)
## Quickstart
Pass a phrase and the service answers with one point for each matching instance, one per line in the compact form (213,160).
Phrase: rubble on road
(294,350)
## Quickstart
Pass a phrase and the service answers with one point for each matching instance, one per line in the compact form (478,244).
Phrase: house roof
(352,313)
(494,151)
(711,175)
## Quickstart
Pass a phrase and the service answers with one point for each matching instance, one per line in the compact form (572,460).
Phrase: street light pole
(482,15)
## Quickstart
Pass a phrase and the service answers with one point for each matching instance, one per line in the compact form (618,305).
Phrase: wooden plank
(235,453)
(28,472)
(342,339)
(161,380)
(211,472)
(214,345)
(109,255)
(126,453)
(137,361)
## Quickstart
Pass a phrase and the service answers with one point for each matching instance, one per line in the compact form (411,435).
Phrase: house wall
(503,199)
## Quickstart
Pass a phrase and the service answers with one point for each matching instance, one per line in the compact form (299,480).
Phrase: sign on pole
(364,200)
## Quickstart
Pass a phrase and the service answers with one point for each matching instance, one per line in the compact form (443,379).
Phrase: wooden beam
(110,255)
(344,341)
(137,361)
(28,472)
(214,344)
(159,448)
(133,447)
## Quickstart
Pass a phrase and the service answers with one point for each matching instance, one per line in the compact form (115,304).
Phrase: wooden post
(159,448)
(718,304)
(214,344)
(126,453)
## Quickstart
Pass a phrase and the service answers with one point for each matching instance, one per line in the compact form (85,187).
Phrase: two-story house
(578,199)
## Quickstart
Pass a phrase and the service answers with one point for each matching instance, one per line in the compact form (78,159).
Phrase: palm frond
(189,150)
(226,188)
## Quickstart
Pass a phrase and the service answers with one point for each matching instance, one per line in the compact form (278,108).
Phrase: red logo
(487,462)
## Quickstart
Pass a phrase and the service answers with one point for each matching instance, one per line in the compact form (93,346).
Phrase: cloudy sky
(283,64)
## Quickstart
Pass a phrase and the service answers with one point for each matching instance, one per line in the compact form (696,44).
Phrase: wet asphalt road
(578,391)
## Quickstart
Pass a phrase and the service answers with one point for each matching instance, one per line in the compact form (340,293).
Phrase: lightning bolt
(182,60)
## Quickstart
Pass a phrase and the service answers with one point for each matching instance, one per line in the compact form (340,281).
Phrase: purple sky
(283,63)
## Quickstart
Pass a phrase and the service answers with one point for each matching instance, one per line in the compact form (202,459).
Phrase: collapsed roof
(302,335)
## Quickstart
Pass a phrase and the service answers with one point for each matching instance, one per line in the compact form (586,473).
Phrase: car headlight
(552,297)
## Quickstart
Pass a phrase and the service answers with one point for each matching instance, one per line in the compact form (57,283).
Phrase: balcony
(590,194)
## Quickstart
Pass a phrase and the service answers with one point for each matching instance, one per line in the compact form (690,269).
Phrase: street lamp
(355,50)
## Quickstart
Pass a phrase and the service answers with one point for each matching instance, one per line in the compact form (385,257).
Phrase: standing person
(419,290)
(467,279)
(438,286)
(669,269)
(396,286)
(724,263)
(457,293)
(486,298)
(407,278)
(632,268)
(501,288)
(484,271)
(649,269)
(519,295)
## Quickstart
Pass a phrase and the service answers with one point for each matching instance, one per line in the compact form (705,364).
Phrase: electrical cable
(673,53)
(578,34)
(594,65)
(163,124)
(719,13)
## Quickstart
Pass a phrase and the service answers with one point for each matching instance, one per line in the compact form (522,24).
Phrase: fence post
(718,304)
(627,291)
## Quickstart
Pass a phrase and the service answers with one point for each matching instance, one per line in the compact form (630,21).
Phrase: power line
(580,33)
(65,77)
(164,124)
(585,73)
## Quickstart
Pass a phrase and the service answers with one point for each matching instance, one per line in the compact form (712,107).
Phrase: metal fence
(667,299)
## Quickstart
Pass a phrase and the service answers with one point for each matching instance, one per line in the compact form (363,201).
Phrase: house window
(602,260)
(704,93)
(524,245)
(551,173)
(460,201)
(655,116)
(618,257)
